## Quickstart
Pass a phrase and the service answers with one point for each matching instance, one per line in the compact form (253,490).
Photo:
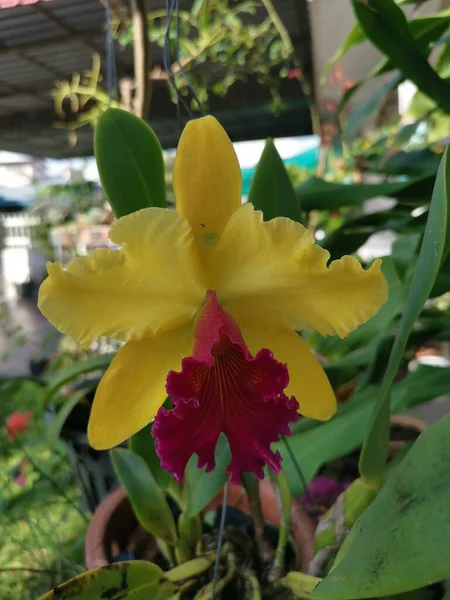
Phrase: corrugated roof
(48,40)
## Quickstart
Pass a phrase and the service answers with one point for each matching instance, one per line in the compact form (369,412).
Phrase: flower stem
(251,486)
(285,505)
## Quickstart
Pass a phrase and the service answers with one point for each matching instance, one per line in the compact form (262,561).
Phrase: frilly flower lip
(222,388)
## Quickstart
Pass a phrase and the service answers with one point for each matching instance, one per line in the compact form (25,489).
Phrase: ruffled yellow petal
(307,380)
(134,387)
(151,285)
(207,178)
(272,273)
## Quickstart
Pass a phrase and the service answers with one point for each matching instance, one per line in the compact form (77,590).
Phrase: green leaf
(400,542)
(386,27)
(271,190)
(134,580)
(149,502)
(200,487)
(94,363)
(371,105)
(143,443)
(130,162)
(64,411)
(374,452)
(318,194)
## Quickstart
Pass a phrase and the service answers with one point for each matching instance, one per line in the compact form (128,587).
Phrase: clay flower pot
(113,526)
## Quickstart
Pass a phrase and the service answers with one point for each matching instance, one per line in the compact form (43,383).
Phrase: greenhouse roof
(46,41)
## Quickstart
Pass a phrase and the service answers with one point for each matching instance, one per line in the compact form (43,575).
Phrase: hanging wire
(172,10)
(220,541)
(111,75)
(177,56)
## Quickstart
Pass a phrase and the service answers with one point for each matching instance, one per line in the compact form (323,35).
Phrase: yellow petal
(207,178)
(273,274)
(134,387)
(151,285)
(307,380)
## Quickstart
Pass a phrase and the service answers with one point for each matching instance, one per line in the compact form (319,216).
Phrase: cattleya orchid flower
(209,299)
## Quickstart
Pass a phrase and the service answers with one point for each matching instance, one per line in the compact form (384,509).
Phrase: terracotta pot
(113,529)
(113,525)
(412,428)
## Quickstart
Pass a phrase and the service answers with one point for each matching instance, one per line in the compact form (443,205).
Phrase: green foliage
(271,190)
(130,162)
(89,365)
(143,443)
(219,34)
(387,28)
(400,541)
(200,487)
(317,444)
(374,450)
(136,580)
(148,501)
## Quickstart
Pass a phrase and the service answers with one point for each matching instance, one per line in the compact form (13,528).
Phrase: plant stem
(253,585)
(208,593)
(251,486)
(285,505)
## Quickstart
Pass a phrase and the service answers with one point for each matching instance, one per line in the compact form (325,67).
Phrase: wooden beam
(141,48)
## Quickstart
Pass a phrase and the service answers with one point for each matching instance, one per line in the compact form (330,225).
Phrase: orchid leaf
(271,190)
(130,162)
(412,507)
(374,452)
(386,27)
(130,580)
(200,487)
(143,444)
(148,501)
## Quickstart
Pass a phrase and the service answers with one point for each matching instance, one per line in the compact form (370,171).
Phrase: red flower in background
(17,422)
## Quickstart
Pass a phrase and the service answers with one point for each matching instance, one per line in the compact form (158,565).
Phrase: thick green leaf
(133,580)
(271,190)
(143,443)
(415,162)
(386,27)
(200,487)
(94,363)
(130,162)
(317,194)
(400,542)
(149,502)
(374,452)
